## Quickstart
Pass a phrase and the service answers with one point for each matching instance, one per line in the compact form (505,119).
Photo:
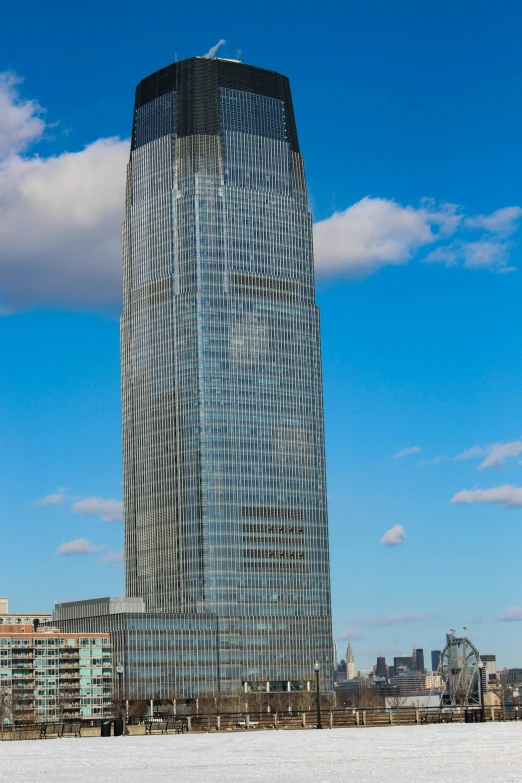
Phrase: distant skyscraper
(490,667)
(381,667)
(350,662)
(404,662)
(224,466)
(435,659)
(419,659)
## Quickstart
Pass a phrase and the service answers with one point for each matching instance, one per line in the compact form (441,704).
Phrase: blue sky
(409,119)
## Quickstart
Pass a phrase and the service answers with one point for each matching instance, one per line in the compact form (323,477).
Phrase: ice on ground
(482,753)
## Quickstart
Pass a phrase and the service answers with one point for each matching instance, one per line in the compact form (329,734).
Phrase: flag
(466,628)
(452,630)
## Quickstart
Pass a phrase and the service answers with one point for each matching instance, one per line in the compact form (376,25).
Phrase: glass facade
(224,467)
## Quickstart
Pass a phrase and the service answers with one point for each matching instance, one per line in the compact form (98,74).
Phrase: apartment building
(49,675)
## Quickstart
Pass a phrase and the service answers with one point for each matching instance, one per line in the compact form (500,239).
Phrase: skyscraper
(419,660)
(435,660)
(350,662)
(223,444)
(381,670)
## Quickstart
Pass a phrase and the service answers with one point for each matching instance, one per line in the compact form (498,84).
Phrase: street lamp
(121,695)
(481,691)
(316,670)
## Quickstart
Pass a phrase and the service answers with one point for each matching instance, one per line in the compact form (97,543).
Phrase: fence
(252,721)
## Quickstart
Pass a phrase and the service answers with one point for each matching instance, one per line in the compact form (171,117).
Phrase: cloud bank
(54,499)
(60,222)
(378,232)
(496,453)
(80,546)
(60,216)
(396,619)
(109,510)
(352,632)
(510,615)
(507,496)
(84,546)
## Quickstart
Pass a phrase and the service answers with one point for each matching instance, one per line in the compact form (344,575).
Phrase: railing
(341,718)
(251,721)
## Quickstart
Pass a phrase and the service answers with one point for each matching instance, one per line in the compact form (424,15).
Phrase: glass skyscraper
(223,441)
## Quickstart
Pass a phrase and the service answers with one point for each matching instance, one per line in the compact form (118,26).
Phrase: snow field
(482,753)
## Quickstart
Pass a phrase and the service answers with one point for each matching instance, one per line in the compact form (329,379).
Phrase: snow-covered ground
(409,754)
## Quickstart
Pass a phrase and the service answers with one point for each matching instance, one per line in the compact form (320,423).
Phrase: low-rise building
(49,675)
(514,677)
(408,682)
(20,618)
(433,682)
(417,699)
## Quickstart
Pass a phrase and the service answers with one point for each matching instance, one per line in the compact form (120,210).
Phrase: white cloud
(495,453)
(20,121)
(504,221)
(60,222)
(483,254)
(352,632)
(507,496)
(113,557)
(511,614)
(499,452)
(60,228)
(474,451)
(84,546)
(213,49)
(406,452)
(394,536)
(397,619)
(378,232)
(109,510)
(80,546)
(60,217)
(435,461)
(54,499)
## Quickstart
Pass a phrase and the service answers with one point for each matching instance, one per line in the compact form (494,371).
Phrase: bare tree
(502,691)
(12,710)
(257,701)
(303,699)
(365,697)
(138,708)
(396,700)
(5,710)
(117,705)
(61,701)
(370,698)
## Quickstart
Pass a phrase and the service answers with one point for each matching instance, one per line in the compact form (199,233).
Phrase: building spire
(350,662)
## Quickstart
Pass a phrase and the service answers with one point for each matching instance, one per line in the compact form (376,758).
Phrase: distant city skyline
(413,180)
